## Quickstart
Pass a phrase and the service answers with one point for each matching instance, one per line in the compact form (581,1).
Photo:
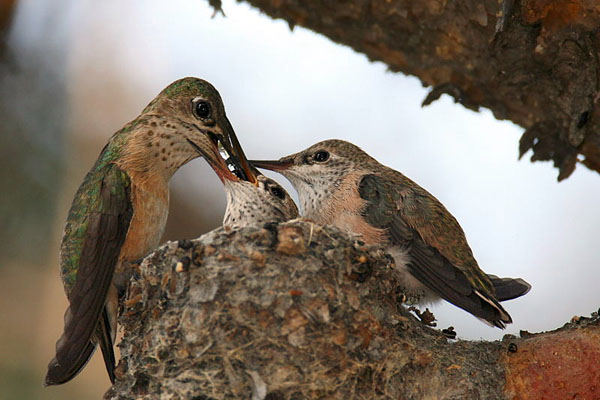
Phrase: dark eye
(202,109)
(321,156)
(278,192)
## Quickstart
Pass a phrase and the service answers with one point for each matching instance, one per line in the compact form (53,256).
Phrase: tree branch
(534,62)
(297,311)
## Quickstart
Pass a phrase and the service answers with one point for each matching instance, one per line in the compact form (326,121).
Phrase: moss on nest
(289,311)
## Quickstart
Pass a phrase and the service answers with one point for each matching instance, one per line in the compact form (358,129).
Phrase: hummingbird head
(186,120)
(250,204)
(318,170)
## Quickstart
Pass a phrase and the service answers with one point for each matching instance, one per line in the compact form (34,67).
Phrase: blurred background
(72,72)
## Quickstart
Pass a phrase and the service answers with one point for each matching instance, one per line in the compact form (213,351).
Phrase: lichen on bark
(534,62)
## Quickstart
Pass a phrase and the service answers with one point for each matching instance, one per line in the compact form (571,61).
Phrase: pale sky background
(285,90)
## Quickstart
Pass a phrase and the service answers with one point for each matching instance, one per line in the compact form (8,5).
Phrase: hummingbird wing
(440,256)
(97,226)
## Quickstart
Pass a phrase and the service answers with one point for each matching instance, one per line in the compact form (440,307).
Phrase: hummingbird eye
(321,156)
(278,192)
(202,109)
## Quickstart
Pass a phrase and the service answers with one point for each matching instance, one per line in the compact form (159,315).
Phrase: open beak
(228,172)
(227,164)
(245,166)
(273,165)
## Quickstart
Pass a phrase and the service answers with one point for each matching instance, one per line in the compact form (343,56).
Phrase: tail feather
(501,317)
(69,360)
(104,337)
(73,352)
(509,288)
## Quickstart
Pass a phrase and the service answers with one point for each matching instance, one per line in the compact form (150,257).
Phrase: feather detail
(108,211)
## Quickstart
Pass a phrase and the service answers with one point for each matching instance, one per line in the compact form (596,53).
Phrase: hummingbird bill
(339,184)
(119,212)
(252,198)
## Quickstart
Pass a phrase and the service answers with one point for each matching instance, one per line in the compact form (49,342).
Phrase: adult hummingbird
(340,184)
(120,210)
(252,198)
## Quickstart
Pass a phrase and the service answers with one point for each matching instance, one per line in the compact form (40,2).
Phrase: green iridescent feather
(87,201)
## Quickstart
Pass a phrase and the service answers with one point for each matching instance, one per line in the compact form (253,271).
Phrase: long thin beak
(241,157)
(224,173)
(273,165)
(210,151)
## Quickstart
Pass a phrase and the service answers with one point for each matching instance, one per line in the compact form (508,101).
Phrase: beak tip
(272,165)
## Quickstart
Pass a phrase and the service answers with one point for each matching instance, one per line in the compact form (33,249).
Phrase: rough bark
(534,62)
(296,311)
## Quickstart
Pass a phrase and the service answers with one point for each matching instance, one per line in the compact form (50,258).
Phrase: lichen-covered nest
(289,311)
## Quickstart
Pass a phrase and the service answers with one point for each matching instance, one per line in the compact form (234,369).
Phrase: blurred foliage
(32,111)
(18,383)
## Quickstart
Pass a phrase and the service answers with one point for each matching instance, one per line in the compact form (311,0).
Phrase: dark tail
(73,351)
(509,288)
(450,283)
(104,336)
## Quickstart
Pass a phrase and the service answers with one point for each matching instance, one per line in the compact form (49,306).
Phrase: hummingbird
(119,212)
(341,185)
(252,198)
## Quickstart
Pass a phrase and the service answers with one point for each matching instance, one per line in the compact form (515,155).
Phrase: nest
(288,311)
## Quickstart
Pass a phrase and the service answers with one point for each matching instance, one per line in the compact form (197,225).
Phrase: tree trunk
(534,62)
(297,311)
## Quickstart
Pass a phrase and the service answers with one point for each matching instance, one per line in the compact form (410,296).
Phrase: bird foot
(425,317)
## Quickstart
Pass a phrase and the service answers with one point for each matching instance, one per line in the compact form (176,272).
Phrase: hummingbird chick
(341,185)
(264,202)
(253,198)
(119,212)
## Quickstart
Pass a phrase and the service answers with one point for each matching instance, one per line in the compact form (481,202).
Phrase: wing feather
(103,230)
(440,257)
